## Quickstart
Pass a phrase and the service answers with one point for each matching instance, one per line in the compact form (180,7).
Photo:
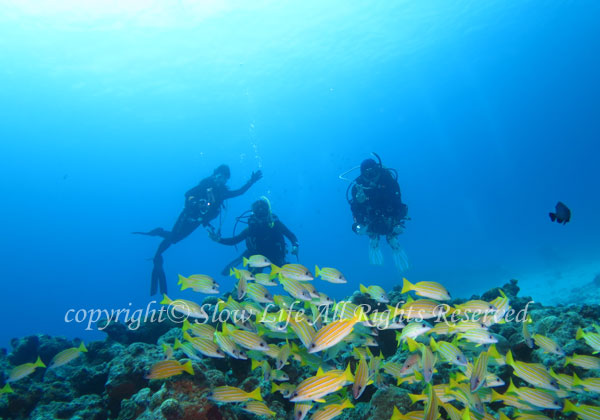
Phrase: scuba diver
(378,210)
(203,203)
(264,236)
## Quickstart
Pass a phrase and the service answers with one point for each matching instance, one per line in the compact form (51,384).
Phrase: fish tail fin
(274,387)
(579,334)
(434,346)
(181,279)
(415,398)
(274,271)
(245,261)
(6,389)
(406,286)
(187,336)
(187,366)
(512,388)
(255,364)
(255,395)
(347,404)
(177,344)
(39,363)
(317,271)
(552,216)
(396,414)
(186,325)
(364,290)
(509,359)
(576,380)
(82,348)
(348,374)
(568,406)
(496,396)
(568,360)
(412,344)
(165,300)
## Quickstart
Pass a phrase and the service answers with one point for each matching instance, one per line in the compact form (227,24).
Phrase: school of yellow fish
(308,327)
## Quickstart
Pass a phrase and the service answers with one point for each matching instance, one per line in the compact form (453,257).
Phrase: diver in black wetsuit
(377,208)
(202,204)
(264,236)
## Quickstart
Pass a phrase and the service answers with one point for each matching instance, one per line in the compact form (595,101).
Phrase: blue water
(109,113)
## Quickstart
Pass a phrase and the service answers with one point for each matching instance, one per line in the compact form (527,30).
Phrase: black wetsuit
(263,239)
(202,205)
(383,208)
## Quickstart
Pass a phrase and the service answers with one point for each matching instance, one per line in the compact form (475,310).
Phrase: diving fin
(158,277)
(400,258)
(375,255)
(154,232)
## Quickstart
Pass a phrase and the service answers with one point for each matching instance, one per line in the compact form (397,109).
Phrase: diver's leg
(155,232)
(400,258)
(237,261)
(181,229)
(375,255)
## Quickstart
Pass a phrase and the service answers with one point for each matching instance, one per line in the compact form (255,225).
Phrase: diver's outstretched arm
(154,232)
(253,178)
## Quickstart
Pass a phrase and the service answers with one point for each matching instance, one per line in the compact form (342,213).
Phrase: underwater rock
(86,407)
(145,332)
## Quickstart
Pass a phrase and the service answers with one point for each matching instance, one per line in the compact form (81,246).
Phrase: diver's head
(369,169)
(261,209)
(222,174)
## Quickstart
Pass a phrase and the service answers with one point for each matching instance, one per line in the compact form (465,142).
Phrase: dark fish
(562,214)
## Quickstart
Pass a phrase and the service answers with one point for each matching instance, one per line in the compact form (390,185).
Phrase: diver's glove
(359,229)
(214,235)
(255,176)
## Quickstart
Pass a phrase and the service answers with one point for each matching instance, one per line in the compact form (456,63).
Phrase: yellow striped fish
(200,283)
(241,287)
(26,369)
(258,293)
(301,410)
(292,271)
(431,407)
(536,397)
(282,356)
(187,348)
(331,411)
(247,339)
(376,292)
(502,305)
(412,330)
(199,329)
(411,415)
(427,363)
(592,339)
(361,378)
(167,368)
(207,347)
(449,352)
(259,408)
(66,356)
(302,328)
(323,383)
(478,336)
(421,309)
(295,289)
(479,371)
(285,389)
(511,400)
(428,289)
(184,307)
(526,335)
(228,345)
(257,261)
(583,361)
(264,279)
(564,380)
(228,394)
(585,412)
(547,344)
(245,274)
(534,373)
(589,384)
(330,275)
(333,333)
